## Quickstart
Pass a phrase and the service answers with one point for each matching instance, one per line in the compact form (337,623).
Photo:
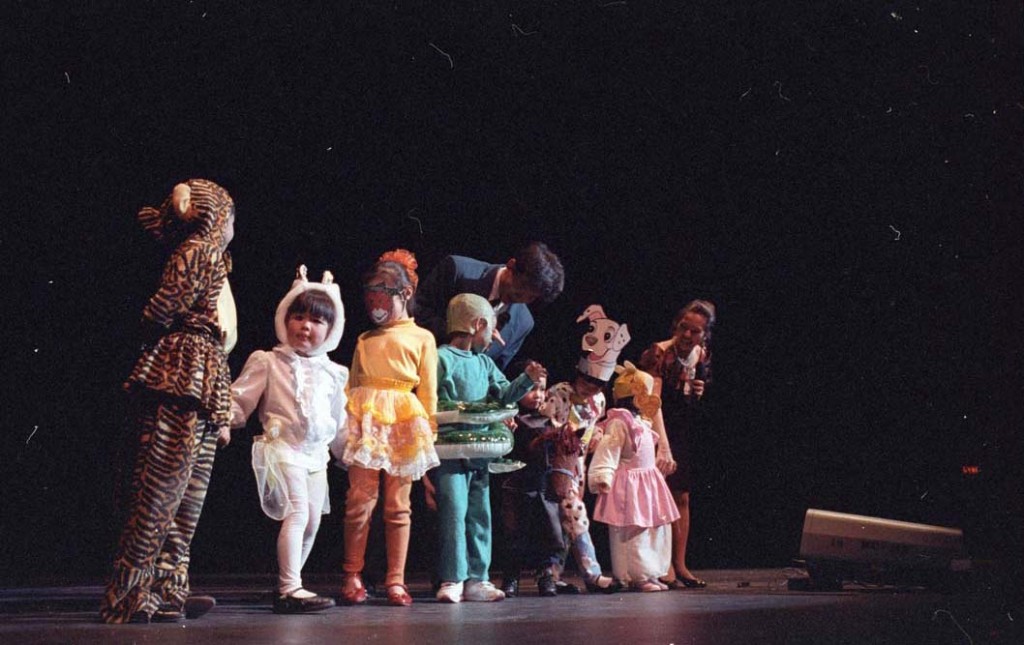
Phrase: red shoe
(398,595)
(355,596)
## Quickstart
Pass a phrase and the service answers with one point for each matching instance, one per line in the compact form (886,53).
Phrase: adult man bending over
(534,274)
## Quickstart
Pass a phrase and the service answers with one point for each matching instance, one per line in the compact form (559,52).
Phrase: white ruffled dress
(301,403)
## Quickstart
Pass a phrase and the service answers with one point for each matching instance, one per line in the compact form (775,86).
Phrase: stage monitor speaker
(840,545)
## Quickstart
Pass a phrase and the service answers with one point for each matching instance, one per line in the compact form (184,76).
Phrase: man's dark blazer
(457,274)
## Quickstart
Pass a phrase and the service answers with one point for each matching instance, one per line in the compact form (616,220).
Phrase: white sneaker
(482,591)
(450,592)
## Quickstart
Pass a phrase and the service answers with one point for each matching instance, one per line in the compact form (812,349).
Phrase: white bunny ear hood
(301,285)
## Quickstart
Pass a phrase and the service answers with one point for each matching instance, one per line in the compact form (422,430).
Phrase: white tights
(306,492)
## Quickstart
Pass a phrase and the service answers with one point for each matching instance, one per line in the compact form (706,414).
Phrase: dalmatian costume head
(556,403)
(602,343)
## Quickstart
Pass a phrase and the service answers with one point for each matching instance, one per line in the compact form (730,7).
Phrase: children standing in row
(387,423)
(578,434)
(385,426)
(301,399)
(463,485)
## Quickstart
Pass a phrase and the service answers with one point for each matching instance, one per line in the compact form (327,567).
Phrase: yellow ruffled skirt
(389,430)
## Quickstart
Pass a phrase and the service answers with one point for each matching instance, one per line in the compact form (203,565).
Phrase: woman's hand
(697,386)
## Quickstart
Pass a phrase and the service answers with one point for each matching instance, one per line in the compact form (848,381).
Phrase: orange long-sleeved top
(401,351)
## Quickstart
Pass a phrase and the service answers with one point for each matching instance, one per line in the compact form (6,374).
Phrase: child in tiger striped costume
(182,402)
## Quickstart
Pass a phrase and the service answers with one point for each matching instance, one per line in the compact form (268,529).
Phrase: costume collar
(291,354)
(392,324)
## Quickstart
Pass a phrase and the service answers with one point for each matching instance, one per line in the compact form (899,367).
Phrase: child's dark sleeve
(536,443)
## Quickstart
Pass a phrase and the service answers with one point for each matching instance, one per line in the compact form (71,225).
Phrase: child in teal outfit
(465,373)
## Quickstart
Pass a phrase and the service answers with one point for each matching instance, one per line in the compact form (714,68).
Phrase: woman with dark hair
(681,367)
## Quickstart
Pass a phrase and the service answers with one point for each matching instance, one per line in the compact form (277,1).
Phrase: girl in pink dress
(633,498)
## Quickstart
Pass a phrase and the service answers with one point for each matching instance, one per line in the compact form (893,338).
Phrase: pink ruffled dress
(639,495)
(634,500)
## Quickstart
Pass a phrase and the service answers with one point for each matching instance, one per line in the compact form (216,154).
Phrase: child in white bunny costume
(300,393)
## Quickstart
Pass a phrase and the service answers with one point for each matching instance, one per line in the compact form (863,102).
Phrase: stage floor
(738,606)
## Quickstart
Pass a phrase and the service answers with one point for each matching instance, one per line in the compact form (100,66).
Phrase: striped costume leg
(163,464)
(171,572)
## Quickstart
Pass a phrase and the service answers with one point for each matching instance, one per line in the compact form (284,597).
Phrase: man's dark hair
(542,270)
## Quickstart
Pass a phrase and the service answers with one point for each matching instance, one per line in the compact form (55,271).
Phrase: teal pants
(464,517)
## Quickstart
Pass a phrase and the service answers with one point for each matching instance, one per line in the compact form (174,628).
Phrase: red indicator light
(970,470)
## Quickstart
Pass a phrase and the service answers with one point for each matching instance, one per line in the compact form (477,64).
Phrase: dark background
(841,178)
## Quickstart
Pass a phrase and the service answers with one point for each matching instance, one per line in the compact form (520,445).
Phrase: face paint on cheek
(378,306)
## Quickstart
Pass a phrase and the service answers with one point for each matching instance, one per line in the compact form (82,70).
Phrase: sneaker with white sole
(482,591)
(450,592)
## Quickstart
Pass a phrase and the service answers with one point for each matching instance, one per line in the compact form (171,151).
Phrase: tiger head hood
(195,209)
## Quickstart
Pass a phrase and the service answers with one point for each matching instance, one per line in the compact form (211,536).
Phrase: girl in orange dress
(392,400)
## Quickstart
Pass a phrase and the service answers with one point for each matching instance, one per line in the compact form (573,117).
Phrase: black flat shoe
(614,587)
(691,583)
(511,587)
(546,586)
(292,605)
(566,588)
(196,606)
